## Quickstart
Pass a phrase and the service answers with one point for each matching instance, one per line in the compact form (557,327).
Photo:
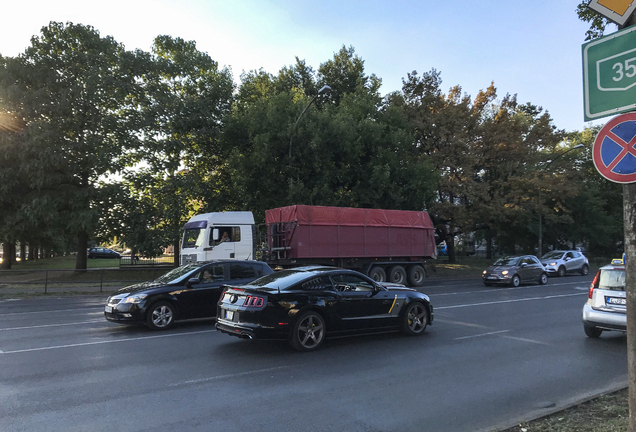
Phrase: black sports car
(304,305)
(187,292)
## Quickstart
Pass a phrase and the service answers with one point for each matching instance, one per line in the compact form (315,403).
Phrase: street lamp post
(323,89)
(578,146)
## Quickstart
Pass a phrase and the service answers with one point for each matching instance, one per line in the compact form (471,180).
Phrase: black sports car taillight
(254,302)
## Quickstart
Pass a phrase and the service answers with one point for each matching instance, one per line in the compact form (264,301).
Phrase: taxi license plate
(229,315)
(616,301)
(108,309)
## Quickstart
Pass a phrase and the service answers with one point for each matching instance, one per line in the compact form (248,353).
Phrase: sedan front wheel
(160,316)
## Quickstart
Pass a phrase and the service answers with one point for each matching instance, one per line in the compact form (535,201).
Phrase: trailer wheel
(417,274)
(397,275)
(377,274)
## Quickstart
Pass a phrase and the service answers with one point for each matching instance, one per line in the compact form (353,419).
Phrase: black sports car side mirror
(192,281)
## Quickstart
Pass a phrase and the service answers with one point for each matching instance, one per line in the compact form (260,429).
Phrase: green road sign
(609,74)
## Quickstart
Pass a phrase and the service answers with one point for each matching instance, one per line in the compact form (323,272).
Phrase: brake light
(594,284)
(254,301)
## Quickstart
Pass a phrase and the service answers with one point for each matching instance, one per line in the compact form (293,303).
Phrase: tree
(75,91)
(354,150)
(186,97)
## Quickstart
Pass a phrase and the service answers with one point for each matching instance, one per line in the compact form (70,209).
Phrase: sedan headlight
(137,298)
(552,264)
(484,272)
(505,272)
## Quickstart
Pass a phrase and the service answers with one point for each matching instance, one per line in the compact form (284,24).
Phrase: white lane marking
(507,289)
(482,334)
(51,325)
(104,342)
(50,311)
(527,340)
(506,301)
(219,377)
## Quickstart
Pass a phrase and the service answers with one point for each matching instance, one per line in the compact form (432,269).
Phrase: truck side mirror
(215,234)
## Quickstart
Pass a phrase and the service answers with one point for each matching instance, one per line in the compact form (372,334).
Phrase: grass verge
(608,413)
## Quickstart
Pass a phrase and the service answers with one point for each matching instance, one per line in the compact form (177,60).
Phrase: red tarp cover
(341,232)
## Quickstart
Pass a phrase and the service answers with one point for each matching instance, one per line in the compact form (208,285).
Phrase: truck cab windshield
(193,238)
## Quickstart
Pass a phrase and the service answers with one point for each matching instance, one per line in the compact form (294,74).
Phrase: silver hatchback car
(605,308)
(560,262)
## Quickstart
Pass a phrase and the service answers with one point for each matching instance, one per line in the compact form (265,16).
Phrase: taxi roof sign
(618,11)
(619,261)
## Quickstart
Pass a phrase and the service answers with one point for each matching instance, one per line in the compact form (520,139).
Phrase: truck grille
(188,258)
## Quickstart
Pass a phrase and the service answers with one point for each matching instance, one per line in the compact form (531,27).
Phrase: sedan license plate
(616,301)
(229,315)
(108,309)
(491,277)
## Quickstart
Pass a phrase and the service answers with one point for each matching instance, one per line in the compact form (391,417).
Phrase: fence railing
(137,261)
(77,281)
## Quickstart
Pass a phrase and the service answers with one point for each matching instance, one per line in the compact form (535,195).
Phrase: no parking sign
(613,152)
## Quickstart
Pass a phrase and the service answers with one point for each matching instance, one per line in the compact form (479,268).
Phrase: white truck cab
(218,235)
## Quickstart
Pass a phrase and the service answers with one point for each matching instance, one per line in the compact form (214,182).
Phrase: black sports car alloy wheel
(415,319)
(308,332)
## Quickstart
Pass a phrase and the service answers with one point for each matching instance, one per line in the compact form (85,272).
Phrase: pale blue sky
(531,48)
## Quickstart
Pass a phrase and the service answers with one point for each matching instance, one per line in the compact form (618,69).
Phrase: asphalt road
(492,358)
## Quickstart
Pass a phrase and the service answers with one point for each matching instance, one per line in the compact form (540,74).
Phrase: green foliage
(72,88)
(97,142)
(598,23)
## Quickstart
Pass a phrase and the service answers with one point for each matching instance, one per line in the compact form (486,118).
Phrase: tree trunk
(6,256)
(23,251)
(629,214)
(82,245)
(177,252)
(450,247)
(489,244)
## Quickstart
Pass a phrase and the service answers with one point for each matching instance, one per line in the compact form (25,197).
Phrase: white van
(218,235)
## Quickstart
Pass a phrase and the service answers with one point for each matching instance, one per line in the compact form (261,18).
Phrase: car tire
(543,279)
(160,316)
(397,275)
(585,270)
(415,319)
(308,332)
(516,281)
(561,271)
(377,274)
(416,276)
(592,332)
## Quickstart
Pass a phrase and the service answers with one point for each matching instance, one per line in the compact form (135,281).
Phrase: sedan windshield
(176,274)
(553,255)
(507,261)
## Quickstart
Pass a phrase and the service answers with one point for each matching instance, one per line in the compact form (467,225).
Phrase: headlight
(552,264)
(484,272)
(505,272)
(137,298)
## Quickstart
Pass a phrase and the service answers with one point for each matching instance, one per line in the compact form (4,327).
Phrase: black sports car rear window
(280,280)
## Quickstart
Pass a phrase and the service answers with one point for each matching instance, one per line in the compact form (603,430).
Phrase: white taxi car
(605,309)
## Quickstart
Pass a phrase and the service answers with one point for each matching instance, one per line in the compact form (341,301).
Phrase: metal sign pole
(629,215)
